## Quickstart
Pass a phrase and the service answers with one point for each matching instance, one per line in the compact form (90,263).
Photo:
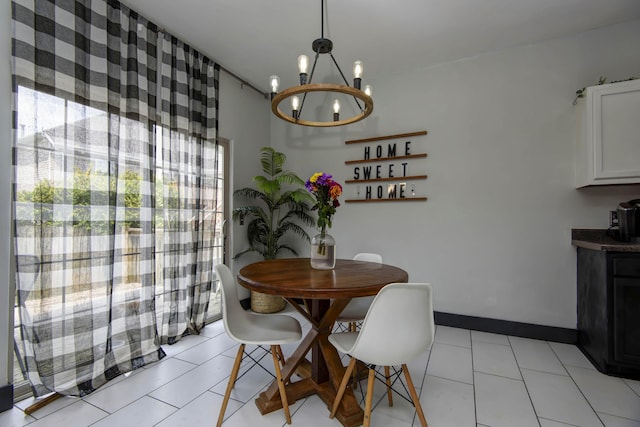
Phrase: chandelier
(363,105)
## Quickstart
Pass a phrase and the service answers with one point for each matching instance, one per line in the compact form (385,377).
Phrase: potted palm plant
(280,206)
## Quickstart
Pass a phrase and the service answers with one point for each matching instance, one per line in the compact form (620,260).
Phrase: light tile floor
(468,378)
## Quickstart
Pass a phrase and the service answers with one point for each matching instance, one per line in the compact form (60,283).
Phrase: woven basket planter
(263,303)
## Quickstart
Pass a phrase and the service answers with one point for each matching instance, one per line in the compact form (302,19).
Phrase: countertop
(600,240)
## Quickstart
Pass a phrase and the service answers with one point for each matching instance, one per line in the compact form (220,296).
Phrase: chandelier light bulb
(303,63)
(357,74)
(368,89)
(274,81)
(295,104)
(336,110)
(357,69)
(303,67)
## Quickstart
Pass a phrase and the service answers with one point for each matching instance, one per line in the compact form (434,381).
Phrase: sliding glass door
(68,178)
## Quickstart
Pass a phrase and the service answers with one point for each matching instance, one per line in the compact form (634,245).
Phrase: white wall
(494,236)
(245,120)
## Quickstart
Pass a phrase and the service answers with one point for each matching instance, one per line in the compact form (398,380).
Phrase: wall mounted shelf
(383,138)
(382,159)
(406,199)
(395,178)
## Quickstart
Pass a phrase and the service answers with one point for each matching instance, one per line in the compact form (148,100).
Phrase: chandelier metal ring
(322,87)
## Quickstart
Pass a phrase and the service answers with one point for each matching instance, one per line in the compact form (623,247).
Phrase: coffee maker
(629,221)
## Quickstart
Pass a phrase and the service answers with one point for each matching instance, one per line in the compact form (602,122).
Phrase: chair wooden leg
(283,392)
(369,400)
(414,397)
(343,386)
(353,327)
(387,377)
(355,375)
(280,356)
(230,384)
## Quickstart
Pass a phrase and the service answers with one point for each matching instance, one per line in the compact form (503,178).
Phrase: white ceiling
(256,38)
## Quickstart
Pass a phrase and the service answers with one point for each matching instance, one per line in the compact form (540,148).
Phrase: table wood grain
(294,278)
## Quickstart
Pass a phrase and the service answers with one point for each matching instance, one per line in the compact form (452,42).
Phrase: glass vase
(323,252)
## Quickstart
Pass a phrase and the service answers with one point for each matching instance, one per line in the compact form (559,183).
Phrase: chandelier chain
(322,18)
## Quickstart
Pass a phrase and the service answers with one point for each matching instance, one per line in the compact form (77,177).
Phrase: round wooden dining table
(320,296)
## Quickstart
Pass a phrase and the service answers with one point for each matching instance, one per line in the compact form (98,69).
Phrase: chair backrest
(233,315)
(399,325)
(367,256)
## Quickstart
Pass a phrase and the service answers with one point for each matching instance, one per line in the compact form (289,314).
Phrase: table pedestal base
(348,417)
(322,376)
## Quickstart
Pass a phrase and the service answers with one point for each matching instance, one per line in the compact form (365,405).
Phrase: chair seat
(273,329)
(356,310)
(343,342)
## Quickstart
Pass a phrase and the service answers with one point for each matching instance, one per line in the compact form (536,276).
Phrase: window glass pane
(74,185)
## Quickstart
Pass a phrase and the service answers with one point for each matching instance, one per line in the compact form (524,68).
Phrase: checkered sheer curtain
(111,205)
(188,163)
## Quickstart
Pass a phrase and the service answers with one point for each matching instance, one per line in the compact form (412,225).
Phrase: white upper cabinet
(608,141)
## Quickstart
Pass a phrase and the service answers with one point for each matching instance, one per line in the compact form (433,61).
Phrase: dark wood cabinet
(609,310)
(626,320)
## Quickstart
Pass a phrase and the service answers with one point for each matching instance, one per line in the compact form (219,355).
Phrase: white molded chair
(398,327)
(367,256)
(257,329)
(357,308)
